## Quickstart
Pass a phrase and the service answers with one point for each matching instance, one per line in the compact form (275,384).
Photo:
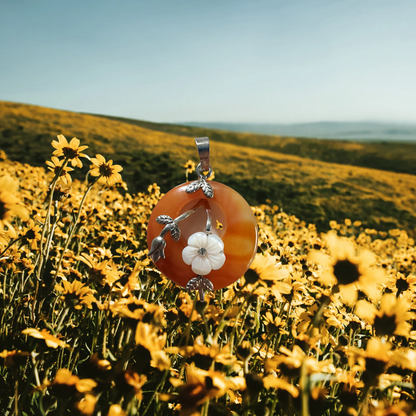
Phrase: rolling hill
(396,156)
(315,191)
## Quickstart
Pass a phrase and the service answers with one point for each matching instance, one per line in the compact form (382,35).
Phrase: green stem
(61,319)
(159,386)
(10,244)
(71,233)
(48,212)
(304,385)
(318,315)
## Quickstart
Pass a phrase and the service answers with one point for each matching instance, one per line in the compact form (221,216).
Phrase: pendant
(202,235)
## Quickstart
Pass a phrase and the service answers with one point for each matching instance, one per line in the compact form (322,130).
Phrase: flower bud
(157,249)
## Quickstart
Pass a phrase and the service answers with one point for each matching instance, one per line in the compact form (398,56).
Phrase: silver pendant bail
(202,144)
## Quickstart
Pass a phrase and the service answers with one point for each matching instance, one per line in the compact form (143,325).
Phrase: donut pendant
(202,235)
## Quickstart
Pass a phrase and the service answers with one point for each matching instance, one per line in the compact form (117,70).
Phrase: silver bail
(202,144)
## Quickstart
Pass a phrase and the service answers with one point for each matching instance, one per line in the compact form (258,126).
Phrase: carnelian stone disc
(238,232)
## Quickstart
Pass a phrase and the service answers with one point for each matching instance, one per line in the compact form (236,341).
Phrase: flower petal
(215,244)
(198,240)
(188,254)
(201,265)
(216,260)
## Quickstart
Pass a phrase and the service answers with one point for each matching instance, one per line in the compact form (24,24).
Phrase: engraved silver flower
(204,252)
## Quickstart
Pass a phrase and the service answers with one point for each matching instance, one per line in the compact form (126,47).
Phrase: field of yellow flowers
(321,324)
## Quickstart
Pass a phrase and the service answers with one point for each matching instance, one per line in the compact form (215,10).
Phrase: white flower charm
(205,252)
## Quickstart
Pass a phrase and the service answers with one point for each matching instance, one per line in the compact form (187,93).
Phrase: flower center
(202,251)
(106,170)
(3,210)
(70,153)
(346,272)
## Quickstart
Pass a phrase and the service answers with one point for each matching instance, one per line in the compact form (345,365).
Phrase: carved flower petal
(215,244)
(198,240)
(189,253)
(216,260)
(201,265)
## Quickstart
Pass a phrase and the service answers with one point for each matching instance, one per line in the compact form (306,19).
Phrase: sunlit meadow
(321,324)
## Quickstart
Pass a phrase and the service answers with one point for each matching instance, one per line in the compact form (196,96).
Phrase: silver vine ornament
(171,226)
(157,248)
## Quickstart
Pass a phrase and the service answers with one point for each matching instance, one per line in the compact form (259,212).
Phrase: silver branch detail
(157,248)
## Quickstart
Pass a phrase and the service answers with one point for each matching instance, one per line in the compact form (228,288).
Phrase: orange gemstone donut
(238,232)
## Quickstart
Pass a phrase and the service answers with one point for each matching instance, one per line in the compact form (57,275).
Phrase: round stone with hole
(223,254)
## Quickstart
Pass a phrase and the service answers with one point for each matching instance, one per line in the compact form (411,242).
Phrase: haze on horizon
(224,61)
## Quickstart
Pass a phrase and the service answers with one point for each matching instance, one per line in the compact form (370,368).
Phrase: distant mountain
(356,131)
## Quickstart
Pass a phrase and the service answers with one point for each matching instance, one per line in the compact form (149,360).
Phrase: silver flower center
(202,251)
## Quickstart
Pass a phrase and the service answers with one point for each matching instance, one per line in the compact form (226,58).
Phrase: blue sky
(279,61)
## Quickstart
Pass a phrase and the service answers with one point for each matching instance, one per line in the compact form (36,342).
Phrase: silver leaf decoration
(207,189)
(207,284)
(175,232)
(193,187)
(193,284)
(200,283)
(164,219)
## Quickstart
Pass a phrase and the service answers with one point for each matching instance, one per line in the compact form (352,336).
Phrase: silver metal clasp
(202,144)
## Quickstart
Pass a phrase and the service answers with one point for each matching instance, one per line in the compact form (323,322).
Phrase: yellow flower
(76,294)
(403,284)
(282,383)
(347,270)
(31,235)
(265,270)
(135,382)
(103,273)
(66,384)
(374,359)
(50,340)
(204,355)
(55,166)
(12,358)
(108,173)
(190,166)
(116,410)
(138,309)
(290,362)
(202,385)
(391,318)
(147,337)
(86,406)
(71,150)
(9,204)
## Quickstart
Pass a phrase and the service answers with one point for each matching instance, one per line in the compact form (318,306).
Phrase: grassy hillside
(313,190)
(386,155)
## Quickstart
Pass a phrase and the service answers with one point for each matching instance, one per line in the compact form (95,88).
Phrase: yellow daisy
(76,294)
(190,166)
(50,340)
(348,270)
(392,316)
(108,173)
(71,150)
(9,204)
(55,165)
